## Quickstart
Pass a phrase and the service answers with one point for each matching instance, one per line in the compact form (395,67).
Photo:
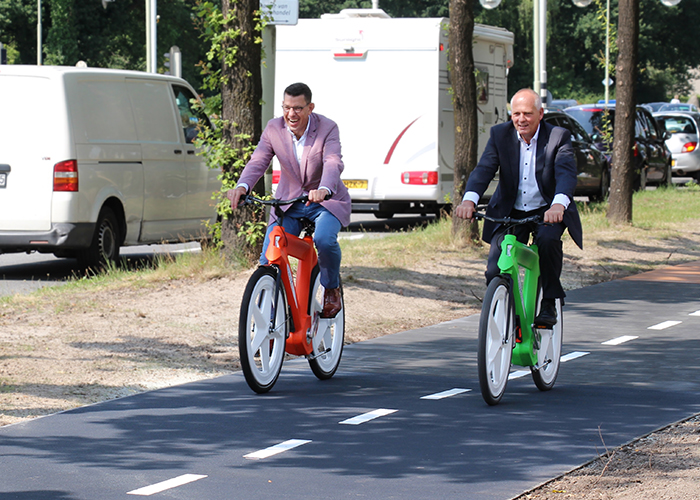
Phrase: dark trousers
(548,240)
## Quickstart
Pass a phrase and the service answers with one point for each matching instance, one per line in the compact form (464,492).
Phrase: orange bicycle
(281,310)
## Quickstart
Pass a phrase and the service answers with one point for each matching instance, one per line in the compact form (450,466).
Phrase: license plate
(355,184)
(3,179)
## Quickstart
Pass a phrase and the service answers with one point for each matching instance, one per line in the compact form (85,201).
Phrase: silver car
(683,143)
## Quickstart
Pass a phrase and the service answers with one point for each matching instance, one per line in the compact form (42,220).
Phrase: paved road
(631,368)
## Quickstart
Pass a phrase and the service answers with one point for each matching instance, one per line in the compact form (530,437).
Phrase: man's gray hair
(538,99)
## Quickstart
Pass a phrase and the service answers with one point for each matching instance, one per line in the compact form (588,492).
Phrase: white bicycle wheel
(261,341)
(549,352)
(327,334)
(496,337)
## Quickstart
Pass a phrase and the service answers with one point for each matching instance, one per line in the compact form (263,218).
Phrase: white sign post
(280,11)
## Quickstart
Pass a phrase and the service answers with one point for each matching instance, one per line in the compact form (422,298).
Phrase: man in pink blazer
(307,146)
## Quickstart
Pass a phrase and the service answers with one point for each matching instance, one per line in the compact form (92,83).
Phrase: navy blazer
(555,173)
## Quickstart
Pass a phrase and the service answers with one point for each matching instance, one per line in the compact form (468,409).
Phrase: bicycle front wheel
(328,334)
(496,337)
(549,352)
(262,330)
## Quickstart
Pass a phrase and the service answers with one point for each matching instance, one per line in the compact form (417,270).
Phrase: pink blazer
(321,163)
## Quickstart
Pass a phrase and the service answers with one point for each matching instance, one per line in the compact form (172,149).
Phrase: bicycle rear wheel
(549,352)
(262,330)
(328,334)
(496,337)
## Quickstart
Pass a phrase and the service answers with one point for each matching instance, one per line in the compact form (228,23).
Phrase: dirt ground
(70,349)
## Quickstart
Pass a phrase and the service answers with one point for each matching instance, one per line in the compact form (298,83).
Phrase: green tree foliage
(114,37)
(575,40)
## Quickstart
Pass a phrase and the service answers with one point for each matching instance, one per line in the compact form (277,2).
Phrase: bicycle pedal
(314,356)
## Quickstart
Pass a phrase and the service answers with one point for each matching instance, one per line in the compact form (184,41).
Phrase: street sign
(609,83)
(280,11)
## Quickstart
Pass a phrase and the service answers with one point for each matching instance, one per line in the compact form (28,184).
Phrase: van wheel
(105,242)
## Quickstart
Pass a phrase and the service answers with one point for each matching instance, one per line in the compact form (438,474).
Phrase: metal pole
(151,36)
(38,33)
(536,46)
(607,55)
(543,51)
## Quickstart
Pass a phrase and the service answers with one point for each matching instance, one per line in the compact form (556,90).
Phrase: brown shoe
(331,302)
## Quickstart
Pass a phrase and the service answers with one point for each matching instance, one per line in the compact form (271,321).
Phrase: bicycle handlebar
(509,221)
(250,199)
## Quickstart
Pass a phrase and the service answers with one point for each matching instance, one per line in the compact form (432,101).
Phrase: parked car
(653,106)
(593,169)
(683,106)
(560,104)
(652,156)
(683,141)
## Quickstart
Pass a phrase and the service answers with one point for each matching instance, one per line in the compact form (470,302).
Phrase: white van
(93,159)
(386,83)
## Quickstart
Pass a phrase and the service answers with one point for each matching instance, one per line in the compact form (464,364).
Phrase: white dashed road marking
(620,340)
(166,485)
(518,374)
(446,394)
(664,325)
(274,450)
(366,417)
(696,313)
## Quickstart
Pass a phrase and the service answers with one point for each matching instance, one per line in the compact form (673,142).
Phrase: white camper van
(386,83)
(92,159)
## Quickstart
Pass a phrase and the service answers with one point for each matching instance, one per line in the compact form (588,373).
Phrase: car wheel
(604,189)
(640,181)
(669,175)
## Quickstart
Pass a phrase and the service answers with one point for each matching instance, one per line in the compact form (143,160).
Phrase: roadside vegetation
(661,214)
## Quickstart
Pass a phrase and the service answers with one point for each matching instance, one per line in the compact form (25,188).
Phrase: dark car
(593,170)
(652,156)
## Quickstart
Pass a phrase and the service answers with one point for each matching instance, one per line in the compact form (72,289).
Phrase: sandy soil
(71,349)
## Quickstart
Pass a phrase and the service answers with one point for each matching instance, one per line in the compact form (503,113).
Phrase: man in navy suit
(537,176)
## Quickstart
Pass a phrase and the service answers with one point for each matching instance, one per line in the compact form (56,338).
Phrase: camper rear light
(65,176)
(689,147)
(419,178)
(275,176)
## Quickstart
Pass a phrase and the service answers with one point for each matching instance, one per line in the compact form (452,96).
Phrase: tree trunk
(621,185)
(241,96)
(463,83)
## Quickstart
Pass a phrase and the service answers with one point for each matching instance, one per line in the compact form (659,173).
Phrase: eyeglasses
(297,109)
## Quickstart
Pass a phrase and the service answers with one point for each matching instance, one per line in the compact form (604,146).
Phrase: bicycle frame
(282,245)
(521,263)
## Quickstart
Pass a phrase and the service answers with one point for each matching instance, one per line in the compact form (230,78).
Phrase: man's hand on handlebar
(317,196)
(466,210)
(555,214)
(234,196)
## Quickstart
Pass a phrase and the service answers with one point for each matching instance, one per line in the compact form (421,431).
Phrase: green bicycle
(507,333)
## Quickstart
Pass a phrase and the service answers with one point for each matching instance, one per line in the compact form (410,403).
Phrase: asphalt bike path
(403,417)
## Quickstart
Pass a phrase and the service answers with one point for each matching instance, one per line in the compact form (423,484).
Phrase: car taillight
(65,176)
(275,176)
(419,177)
(689,146)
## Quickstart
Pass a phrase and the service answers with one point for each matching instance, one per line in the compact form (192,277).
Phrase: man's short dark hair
(297,89)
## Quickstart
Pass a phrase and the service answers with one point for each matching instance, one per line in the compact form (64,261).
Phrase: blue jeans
(325,238)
